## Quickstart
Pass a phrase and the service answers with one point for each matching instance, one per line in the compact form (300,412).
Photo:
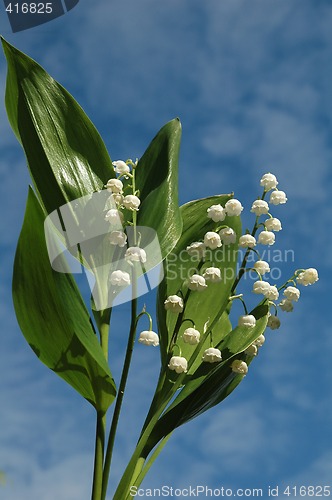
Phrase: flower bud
(292,293)
(212,240)
(266,238)
(239,366)
(272,293)
(216,213)
(278,197)
(131,202)
(262,267)
(118,238)
(196,249)
(113,216)
(191,336)
(148,337)
(174,303)
(308,277)
(273,224)
(260,207)
(197,283)
(120,167)
(273,322)
(261,287)
(114,186)
(212,355)
(248,321)
(178,364)
(269,181)
(227,235)
(233,207)
(286,305)
(212,274)
(120,278)
(135,254)
(246,240)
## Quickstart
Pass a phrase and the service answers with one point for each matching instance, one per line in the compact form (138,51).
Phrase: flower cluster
(200,280)
(116,218)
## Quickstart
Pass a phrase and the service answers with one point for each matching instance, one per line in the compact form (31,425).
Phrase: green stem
(145,469)
(104,331)
(99,457)
(122,386)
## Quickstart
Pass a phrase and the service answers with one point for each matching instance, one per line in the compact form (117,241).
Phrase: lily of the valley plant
(204,355)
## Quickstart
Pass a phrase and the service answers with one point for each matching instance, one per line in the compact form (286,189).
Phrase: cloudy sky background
(251,83)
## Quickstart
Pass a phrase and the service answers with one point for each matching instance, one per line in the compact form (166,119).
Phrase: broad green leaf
(157,182)
(66,156)
(204,307)
(53,317)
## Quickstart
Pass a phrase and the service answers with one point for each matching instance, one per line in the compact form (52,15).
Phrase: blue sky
(251,83)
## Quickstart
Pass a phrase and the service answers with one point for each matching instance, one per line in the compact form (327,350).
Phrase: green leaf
(157,182)
(66,156)
(201,307)
(53,316)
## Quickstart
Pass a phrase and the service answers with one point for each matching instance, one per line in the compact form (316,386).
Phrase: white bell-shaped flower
(251,350)
(217,213)
(248,321)
(114,217)
(212,240)
(308,277)
(272,293)
(266,238)
(118,238)
(212,355)
(174,303)
(269,181)
(239,366)
(233,207)
(118,198)
(227,235)
(278,197)
(191,336)
(292,293)
(262,267)
(260,207)
(148,337)
(196,249)
(197,283)
(261,287)
(131,202)
(178,364)
(247,241)
(114,186)
(135,254)
(212,274)
(273,224)
(259,341)
(120,278)
(120,167)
